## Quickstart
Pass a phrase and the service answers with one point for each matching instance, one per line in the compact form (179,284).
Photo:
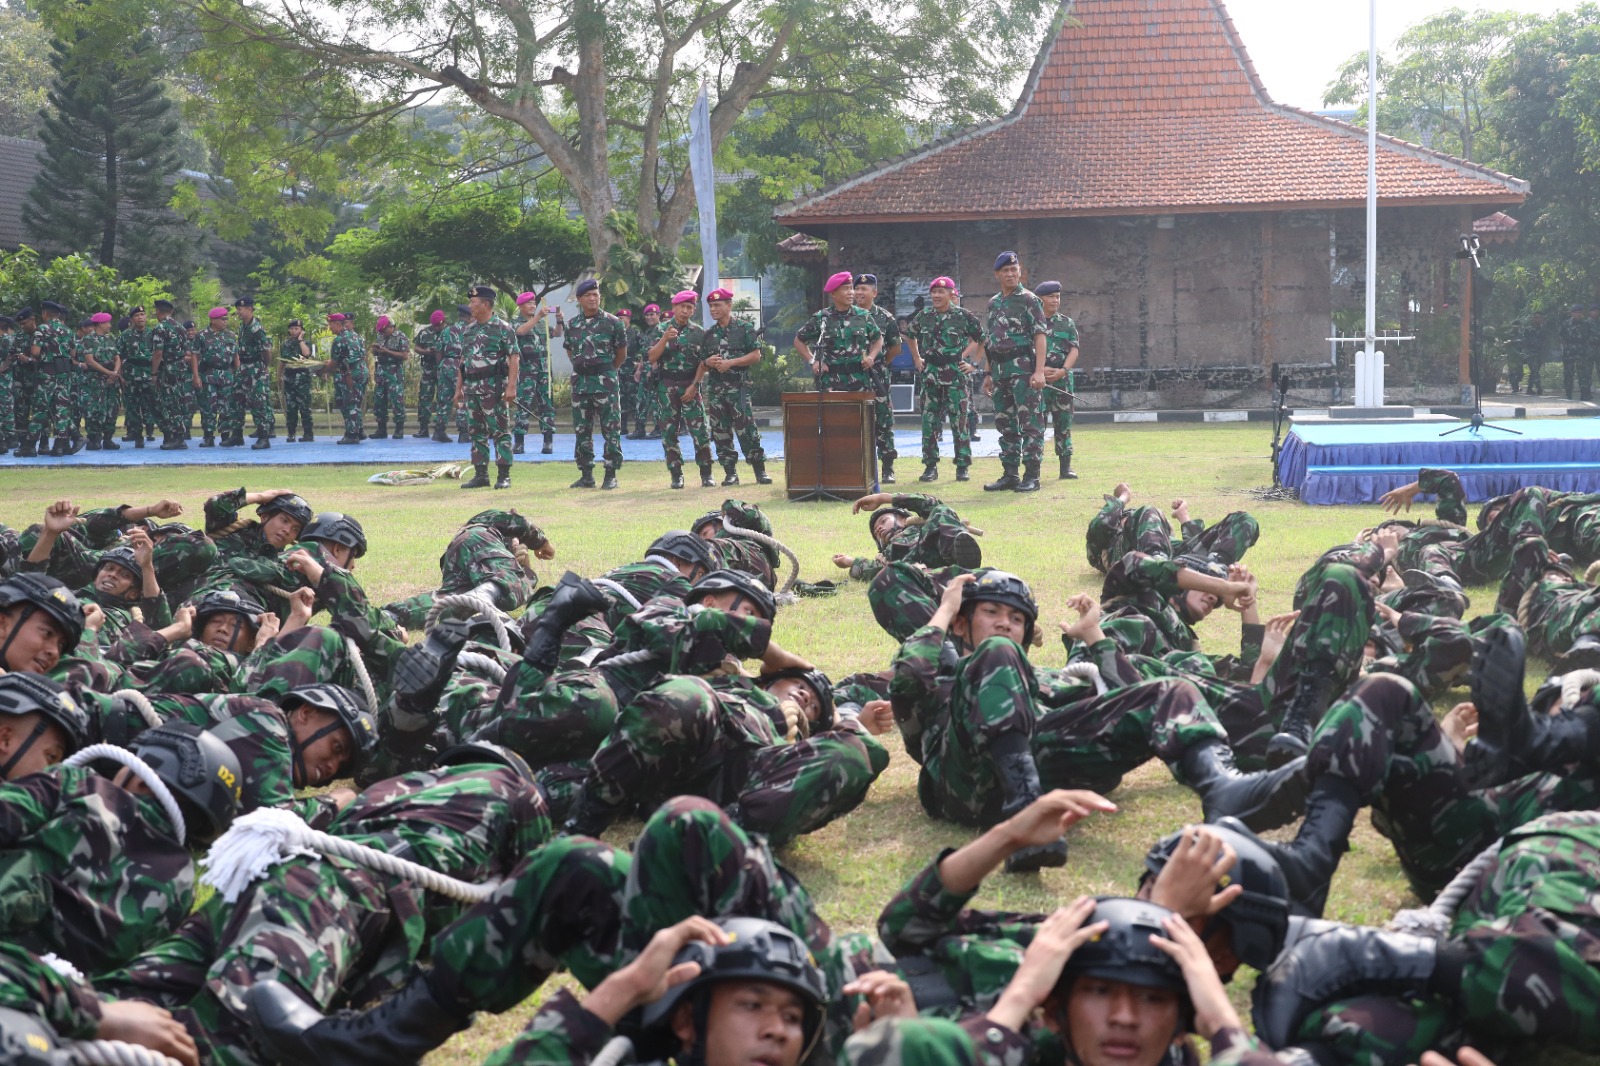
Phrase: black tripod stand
(1280,414)
(1475,423)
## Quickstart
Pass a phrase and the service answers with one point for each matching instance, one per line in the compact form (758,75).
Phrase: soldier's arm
(222,510)
(619,351)
(1452,502)
(712,634)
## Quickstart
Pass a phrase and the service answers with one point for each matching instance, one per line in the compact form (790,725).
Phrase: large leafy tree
(25,72)
(109,149)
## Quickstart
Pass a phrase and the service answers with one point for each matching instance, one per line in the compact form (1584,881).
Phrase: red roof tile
(1147,107)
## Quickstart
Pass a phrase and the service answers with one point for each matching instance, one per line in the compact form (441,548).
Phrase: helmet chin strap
(22,749)
(298,747)
(16,627)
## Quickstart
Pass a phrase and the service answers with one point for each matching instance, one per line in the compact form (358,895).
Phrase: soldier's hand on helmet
(1396,500)
(871,501)
(842,561)
(647,978)
(1460,724)
(60,517)
(1052,814)
(776,659)
(951,597)
(267,495)
(1053,944)
(267,627)
(93,617)
(303,564)
(1087,626)
(877,717)
(182,626)
(148,1026)
(164,509)
(884,995)
(139,541)
(1187,884)
(1212,1011)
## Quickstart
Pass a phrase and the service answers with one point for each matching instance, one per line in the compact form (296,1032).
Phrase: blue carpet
(411,453)
(1331,464)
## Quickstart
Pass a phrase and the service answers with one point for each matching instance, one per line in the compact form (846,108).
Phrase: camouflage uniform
(628,388)
(533,382)
(175,379)
(389,380)
(591,345)
(725,394)
(1528,346)
(1061,337)
(102,393)
(1118,529)
(52,404)
(105,873)
(334,932)
(140,407)
(429,344)
(449,377)
(478,555)
(349,365)
(928,543)
(255,378)
(296,387)
(221,412)
(1012,323)
(724,740)
(486,351)
(25,377)
(941,338)
(840,341)
(1577,368)
(883,411)
(676,369)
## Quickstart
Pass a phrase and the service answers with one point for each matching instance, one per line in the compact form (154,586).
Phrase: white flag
(704,169)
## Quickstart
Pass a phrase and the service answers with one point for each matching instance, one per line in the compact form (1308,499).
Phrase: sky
(1296,46)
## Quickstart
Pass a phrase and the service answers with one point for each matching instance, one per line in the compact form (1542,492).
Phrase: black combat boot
(549,444)
(1008,480)
(440,435)
(585,478)
(516,444)
(677,477)
(1312,695)
(111,445)
(1066,469)
(402,1028)
(480,476)
(610,481)
(308,437)
(591,815)
(731,474)
(420,434)
(705,476)
(1513,740)
(421,672)
(1030,477)
(965,551)
(504,480)
(60,447)
(574,599)
(348,439)
(27,451)
(463,437)
(94,444)
(170,444)
(887,464)
(962,475)
(930,472)
(1262,801)
(760,468)
(1019,783)
(637,434)
(1326,960)
(261,443)
(1583,655)
(128,435)
(1310,859)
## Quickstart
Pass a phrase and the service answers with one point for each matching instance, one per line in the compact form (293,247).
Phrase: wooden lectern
(828,445)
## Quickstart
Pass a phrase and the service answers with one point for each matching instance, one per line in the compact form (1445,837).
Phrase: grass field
(856,864)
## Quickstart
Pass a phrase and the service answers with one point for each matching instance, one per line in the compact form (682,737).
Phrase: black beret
(586,286)
(1005,259)
(5,320)
(51,305)
(24,315)
(1047,288)
(463,310)
(866,279)
(163,305)
(482,292)
(294,323)
(188,325)
(245,301)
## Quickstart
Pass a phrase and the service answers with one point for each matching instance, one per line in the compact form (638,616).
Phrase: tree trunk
(108,225)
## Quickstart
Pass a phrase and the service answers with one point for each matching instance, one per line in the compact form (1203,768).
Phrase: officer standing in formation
(597,344)
(490,354)
(533,381)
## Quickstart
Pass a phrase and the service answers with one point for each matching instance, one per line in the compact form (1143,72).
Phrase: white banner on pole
(703,166)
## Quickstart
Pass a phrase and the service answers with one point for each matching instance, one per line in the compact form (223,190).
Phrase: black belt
(485,372)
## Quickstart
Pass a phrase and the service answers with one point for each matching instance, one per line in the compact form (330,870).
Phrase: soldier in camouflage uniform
(293,356)
(490,354)
(429,345)
(218,351)
(390,350)
(80,391)
(25,377)
(255,375)
(51,351)
(841,342)
(1560,612)
(628,372)
(730,347)
(449,378)
(533,374)
(946,340)
(139,404)
(597,344)
(1120,528)
(1576,341)
(482,554)
(866,295)
(1528,347)
(913,528)
(650,395)
(176,374)
(8,363)
(102,383)
(348,364)
(677,354)
(1016,341)
(1061,355)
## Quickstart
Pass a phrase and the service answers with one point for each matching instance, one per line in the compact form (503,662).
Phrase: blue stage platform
(1331,464)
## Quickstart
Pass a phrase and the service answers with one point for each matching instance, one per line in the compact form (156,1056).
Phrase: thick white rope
(142,704)
(114,1053)
(1572,685)
(627,658)
(358,666)
(622,593)
(267,836)
(771,542)
(484,665)
(618,1050)
(142,771)
(476,602)
(1090,671)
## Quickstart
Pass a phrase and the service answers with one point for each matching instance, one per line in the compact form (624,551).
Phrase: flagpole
(1369,390)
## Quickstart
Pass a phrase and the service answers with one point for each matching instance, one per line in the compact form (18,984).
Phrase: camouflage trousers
(444,397)
(220,409)
(600,411)
(727,407)
(1019,416)
(349,393)
(547,719)
(1384,740)
(945,398)
(679,416)
(589,907)
(903,596)
(1118,529)
(7,407)
(1090,744)
(1058,409)
(389,393)
(24,394)
(1514,367)
(882,409)
(533,394)
(52,407)
(175,391)
(255,393)
(1439,650)
(427,391)
(141,411)
(650,398)
(630,391)
(1577,375)
(489,419)
(672,740)
(103,398)
(297,401)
